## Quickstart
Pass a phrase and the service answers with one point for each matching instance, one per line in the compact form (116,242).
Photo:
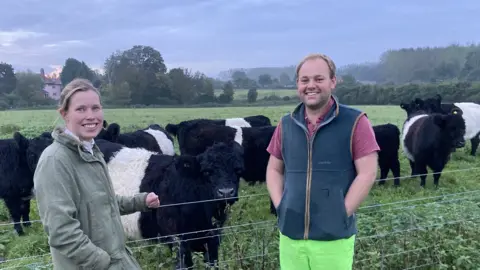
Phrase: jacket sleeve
(132,204)
(54,189)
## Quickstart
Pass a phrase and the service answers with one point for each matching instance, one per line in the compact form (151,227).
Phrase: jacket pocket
(98,212)
(329,215)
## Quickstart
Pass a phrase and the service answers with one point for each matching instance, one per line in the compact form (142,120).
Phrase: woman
(75,198)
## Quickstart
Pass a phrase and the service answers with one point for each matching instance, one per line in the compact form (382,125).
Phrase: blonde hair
(78,84)
(330,63)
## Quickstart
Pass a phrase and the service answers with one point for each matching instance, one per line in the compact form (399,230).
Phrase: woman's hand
(152,200)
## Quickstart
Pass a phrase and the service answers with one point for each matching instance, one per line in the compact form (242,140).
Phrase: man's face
(314,85)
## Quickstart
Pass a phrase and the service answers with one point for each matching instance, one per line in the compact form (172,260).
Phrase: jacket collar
(298,113)
(89,151)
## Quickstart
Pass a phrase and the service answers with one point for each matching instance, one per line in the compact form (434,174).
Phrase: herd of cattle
(197,185)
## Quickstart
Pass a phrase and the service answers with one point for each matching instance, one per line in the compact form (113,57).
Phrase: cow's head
(110,133)
(452,129)
(433,105)
(221,165)
(30,150)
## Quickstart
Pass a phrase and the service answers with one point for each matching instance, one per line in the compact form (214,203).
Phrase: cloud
(213,35)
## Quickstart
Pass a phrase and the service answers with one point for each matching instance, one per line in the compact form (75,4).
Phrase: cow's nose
(226,192)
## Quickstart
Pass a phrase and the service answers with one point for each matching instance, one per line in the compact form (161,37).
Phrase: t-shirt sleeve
(364,141)
(275,146)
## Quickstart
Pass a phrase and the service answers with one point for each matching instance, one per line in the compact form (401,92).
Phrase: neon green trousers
(311,254)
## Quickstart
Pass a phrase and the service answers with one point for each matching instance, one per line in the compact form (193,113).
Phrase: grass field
(399,228)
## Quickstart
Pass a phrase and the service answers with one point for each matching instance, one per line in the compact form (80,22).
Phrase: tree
(8,80)
(285,79)
(73,68)
(30,89)
(118,95)
(140,67)
(228,92)
(182,85)
(265,79)
(252,95)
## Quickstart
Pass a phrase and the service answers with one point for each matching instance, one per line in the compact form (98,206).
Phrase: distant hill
(422,64)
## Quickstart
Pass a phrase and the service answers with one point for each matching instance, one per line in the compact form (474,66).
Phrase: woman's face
(84,117)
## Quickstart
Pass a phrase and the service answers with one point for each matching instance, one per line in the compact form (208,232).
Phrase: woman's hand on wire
(152,200)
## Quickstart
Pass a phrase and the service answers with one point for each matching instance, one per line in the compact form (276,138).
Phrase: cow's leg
(383,174)
(26,213)
(475,141)
(437,167)
(421,169)
(184,256)
(396,171)
(14,206)
(412,166)
(211,256)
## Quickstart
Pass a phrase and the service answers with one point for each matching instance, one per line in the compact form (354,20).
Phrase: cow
(388,139)
(192,190)
(429,139)
(249,121)
(19,157)
(469,111)
(153,138)
(194,137)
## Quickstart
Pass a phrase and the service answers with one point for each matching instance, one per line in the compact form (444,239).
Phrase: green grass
(398,235)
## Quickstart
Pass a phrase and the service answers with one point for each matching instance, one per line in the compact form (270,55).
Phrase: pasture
(399,228)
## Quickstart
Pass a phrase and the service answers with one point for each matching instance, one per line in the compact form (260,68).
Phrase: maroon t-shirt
(364,141)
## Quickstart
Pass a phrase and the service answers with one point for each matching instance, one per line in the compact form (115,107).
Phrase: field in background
(241,94)
(398,227)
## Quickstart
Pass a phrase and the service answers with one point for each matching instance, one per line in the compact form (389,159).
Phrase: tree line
(406,65)
(139,77)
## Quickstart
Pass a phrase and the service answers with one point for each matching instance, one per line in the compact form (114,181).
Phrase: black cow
(187,186)
(153,138)
(249,121)
(469,111)
(194,137)
(429,139)
(19,157)
(388,139)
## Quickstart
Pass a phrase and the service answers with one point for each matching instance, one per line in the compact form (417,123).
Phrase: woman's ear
(63,113)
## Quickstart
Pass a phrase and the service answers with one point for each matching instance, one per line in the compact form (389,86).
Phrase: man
(323,163)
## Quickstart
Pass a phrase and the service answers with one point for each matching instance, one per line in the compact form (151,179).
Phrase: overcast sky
(214,35)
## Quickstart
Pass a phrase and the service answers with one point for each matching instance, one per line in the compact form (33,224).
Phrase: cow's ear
(113,130)
(21,141)
(439,120)
(105,124)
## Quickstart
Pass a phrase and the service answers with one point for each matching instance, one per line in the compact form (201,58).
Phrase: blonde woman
(74,193)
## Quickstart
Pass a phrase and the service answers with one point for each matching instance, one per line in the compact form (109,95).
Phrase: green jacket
(79,210)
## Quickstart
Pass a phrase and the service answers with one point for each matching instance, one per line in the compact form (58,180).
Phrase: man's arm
(365,157)
(275,167)
(132,204)
(53,190)
(275,179)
